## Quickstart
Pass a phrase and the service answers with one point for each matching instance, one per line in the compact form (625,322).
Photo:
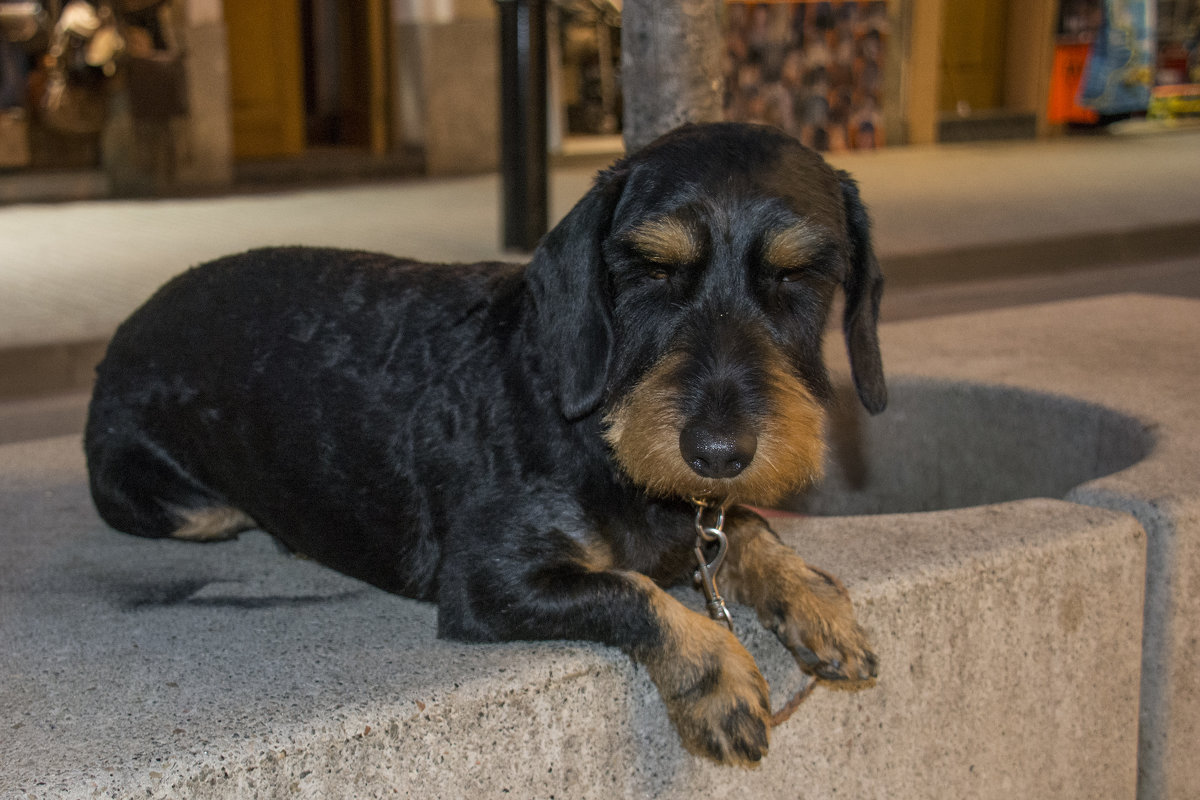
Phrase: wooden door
(973,47)
(266,77)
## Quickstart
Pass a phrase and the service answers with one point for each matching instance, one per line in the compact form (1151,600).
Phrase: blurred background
(152,97)
(1010,151)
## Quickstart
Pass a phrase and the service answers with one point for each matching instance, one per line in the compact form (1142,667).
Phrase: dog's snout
(715,453)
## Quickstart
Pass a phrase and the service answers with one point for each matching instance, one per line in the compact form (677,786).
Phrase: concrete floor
(71,272)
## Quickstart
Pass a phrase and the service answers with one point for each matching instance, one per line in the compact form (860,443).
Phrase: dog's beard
(643,431)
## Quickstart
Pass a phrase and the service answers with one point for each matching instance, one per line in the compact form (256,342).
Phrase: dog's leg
(140,489)
(807,608)
(714,693)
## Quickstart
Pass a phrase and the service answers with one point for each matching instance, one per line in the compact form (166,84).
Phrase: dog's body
(520,445)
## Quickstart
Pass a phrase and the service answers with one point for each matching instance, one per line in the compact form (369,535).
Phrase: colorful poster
(814,69)
(1120,67)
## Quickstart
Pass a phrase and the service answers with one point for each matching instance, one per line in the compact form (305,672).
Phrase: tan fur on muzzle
(643,431)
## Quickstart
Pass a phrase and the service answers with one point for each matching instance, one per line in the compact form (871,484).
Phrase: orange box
(1067,74)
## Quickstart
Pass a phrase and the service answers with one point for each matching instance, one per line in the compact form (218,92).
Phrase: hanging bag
(84,48)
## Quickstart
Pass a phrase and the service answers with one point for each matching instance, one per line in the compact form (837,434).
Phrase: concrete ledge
(1134,355)
(1011,634)
(1087,250)
(169,669)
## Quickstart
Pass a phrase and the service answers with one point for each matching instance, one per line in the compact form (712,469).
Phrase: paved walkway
(70,272)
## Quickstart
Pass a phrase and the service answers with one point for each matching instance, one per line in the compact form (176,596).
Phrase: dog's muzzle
(726,451)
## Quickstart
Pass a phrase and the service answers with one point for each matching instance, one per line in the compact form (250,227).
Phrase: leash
(706,576)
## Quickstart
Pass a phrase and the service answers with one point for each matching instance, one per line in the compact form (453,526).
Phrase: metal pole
(523,121)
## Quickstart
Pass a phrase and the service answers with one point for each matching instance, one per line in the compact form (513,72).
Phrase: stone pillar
(445,71)
(670,65)
(206,149)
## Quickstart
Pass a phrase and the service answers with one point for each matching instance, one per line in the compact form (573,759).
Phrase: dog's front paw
(715,695)
(815,621)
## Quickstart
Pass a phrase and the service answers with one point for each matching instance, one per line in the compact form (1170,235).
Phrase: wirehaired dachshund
(663,347)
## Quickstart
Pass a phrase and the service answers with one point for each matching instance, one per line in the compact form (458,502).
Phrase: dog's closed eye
(666,243)
(799,252)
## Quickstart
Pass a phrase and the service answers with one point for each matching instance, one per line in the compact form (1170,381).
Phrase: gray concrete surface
(166,670)
(1011,634)
(1135,355)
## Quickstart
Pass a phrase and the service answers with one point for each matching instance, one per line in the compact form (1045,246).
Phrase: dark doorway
(337,74)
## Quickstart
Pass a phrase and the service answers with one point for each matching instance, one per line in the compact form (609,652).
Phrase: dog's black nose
(717,453)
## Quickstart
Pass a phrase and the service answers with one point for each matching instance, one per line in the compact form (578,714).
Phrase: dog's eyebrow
(666,240)
(795,245)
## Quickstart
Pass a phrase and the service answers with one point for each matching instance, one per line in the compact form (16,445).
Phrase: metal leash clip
(706,574)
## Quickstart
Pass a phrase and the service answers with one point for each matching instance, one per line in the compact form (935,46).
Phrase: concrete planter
(1030,495)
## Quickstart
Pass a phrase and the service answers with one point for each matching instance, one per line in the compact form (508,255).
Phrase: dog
(525,445)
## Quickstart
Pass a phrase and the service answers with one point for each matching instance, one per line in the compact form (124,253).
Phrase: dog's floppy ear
(569,283)
(863,286)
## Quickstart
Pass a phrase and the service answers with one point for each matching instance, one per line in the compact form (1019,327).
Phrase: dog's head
(685,296)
